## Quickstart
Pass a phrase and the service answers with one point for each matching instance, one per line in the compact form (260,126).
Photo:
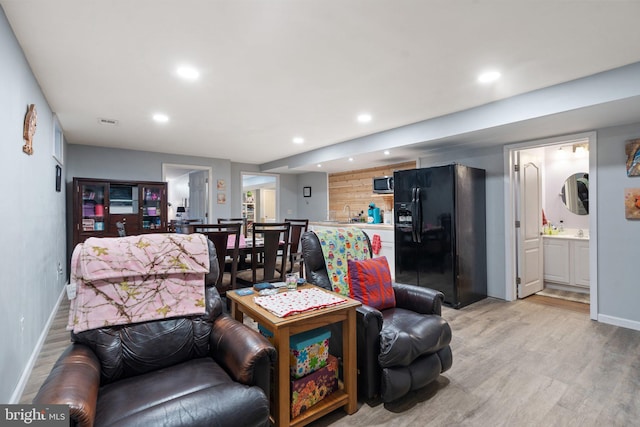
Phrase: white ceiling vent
(109,122)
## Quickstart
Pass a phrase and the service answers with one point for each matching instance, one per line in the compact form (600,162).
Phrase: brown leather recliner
(191,371)
(399,349)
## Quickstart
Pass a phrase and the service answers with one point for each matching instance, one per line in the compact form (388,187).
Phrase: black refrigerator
(440,237)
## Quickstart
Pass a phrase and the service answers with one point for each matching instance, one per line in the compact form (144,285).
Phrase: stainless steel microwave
(383,184)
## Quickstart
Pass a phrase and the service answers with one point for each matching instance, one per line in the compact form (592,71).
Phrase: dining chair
(226,239)
(269,243)
(298,227)
(243,263)
(241,221)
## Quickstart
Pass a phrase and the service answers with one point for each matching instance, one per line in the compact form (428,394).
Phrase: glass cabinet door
(152,199)
(93,206)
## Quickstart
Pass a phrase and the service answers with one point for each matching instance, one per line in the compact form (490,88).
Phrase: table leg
(236,313)
(350,366)
(282,406)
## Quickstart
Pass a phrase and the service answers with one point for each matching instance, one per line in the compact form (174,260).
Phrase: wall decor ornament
(632,150)
(632,203)
(58,178)
(306,191)
(30,122)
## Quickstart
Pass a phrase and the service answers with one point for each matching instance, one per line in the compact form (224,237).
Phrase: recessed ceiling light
(298,140)
(387,152)
(160,118)
(188,73)
(351,159)
(364,118)
(319,165)
(489,77)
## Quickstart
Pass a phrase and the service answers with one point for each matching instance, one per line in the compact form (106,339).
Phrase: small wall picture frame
(306,191)
(632,203)
(58,178)
(222,198)
(58,141)
(632,150)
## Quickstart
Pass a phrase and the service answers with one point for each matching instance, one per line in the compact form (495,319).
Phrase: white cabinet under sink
(580,249)
(566,261)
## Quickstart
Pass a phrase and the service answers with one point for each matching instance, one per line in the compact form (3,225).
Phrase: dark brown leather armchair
(399,349)
(191,371)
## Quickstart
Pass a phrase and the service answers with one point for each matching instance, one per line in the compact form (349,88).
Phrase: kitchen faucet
(348,209)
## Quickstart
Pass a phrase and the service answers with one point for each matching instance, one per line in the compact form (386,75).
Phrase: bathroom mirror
(575,193)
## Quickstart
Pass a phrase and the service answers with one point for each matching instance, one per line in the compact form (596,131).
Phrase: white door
(198,200)
(267,205)
(530,260)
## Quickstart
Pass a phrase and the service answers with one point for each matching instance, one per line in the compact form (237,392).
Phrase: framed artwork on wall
(632,203)
(632,150)
(58,141)
(306,191)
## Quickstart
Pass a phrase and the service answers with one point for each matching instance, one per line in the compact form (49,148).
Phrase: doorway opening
(260,195)
(565,239)
(189,192)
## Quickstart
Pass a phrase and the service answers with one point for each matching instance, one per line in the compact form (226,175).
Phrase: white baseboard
(617,321)
(26,373)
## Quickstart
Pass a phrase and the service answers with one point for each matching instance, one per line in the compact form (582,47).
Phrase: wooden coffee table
(282,328)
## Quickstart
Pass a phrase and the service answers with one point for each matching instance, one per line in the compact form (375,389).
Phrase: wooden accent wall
(353,188)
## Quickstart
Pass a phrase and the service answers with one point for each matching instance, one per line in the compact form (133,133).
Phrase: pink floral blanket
(138,278)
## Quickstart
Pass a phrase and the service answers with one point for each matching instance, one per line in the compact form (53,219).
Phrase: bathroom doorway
(567,234)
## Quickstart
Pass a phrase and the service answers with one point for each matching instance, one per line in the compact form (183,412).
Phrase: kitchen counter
(362,225)
(565,235)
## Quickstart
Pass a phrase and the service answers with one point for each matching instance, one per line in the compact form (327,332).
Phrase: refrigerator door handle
(413,215)
(418,228)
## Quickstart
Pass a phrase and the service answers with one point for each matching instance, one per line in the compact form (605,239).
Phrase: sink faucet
(580,233)
(348,209)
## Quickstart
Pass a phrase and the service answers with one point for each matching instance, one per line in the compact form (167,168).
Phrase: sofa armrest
(369,322)
(74,381)
(244,353)
(418,299)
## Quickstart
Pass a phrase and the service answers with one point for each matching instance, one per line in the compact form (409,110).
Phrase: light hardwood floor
(521,363)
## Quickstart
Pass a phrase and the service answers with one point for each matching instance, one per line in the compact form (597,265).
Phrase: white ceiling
(272,70)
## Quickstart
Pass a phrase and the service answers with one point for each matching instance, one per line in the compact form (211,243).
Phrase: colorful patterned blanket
(133,279)
(338,246)
(292,302)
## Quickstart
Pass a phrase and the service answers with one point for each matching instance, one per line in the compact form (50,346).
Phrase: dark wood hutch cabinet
(99,205)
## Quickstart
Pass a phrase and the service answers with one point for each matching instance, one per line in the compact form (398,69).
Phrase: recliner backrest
(128,350)
(315,267)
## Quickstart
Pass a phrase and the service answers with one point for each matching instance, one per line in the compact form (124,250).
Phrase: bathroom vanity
(566,261)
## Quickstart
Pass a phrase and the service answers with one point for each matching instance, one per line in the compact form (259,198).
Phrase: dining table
(245,251)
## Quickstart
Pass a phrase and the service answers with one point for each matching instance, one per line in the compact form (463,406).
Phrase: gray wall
(87,161)
(32,215)
(315,207)
(618,290)
(618,284)
(288,196)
